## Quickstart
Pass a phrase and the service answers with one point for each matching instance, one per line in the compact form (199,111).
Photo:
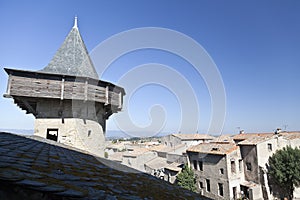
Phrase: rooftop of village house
(196,136)
(219,148)
(256,138)
(244,136)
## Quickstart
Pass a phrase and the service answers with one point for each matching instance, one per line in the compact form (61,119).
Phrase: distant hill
(18,131)
(113,134)
(110,134)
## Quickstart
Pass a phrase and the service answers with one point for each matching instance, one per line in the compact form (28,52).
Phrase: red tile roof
(219,148)
(194,136)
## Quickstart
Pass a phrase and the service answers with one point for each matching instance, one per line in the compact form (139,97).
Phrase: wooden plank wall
(60,89)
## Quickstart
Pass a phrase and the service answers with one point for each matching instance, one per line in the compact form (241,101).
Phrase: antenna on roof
(75,22)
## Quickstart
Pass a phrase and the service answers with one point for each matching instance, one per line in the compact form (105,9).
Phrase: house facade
(217,168)
(239,169)
(187,139)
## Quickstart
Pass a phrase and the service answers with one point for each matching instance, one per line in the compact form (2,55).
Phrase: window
(232,163)
(270,147)
(240,165)
(52,134)
(221,171)
(248,166)
(200,165)
(220,188)
(207,185)
(195,165)
(201,184)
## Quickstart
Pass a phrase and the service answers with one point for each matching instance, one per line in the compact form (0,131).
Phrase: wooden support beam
(28,106)
(120,100)
(108,114)
(8,87)
(62,89)
(86,90)
(106,95)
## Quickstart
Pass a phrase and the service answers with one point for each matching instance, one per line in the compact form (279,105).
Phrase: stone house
(187,139)
(137,158)
(217,167)
(168,163)
(229,170)
(171,171)
(256,150)
(156,167)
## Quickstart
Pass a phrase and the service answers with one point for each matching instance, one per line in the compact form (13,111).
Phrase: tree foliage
(186,179)
(285,169)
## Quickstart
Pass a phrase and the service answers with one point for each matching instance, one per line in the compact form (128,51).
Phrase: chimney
(242,131)
(278,130)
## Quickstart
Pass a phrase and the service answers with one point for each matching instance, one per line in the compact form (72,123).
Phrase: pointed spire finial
(75,22)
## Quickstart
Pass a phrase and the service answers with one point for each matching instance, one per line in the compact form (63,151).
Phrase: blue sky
(254,44)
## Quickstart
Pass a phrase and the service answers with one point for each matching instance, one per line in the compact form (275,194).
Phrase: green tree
(285,169)
(186,179)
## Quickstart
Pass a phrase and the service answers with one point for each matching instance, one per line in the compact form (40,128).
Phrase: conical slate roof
(72,57)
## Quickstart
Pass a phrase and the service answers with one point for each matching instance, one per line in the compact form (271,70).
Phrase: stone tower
(67,98)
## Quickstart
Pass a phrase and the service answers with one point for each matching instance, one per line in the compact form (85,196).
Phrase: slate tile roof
(72,58)
(40,169)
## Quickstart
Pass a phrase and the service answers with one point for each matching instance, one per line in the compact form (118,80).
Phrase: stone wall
(249,155)
(170,140)
(55,108)
(82,134)
(138,161)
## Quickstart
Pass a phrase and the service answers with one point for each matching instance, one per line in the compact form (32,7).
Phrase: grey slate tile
(32,183)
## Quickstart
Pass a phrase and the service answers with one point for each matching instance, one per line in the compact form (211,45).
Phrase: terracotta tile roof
(164,148)
(290,135)
(244,136)
(194,136)
(157,163)
(136,152)
(116,156)
(160,147)
(255,140)
(223,138)
(219,148)
(174,167)
(43,169)
(118,146)
(252,138)
(249,184)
